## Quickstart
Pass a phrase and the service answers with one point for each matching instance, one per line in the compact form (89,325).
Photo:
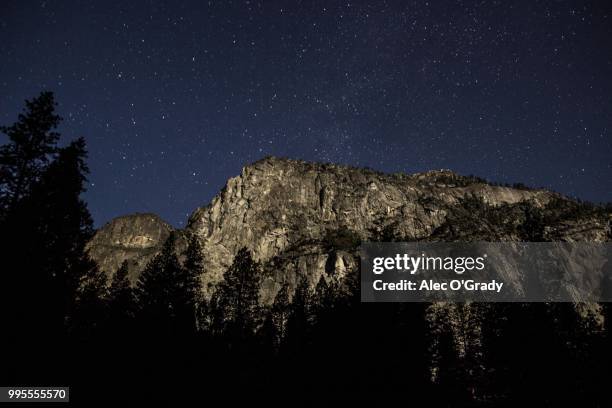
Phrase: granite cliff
(135,238)
(301,218)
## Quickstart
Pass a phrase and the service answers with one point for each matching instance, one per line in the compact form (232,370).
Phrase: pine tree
(280,315)
(324,310)
(323,296)
(49,230)
(165,293)
(43,245)
(194,268)
(299,326)
(90,311)
(411,333)
(532,228)
(194,260)
(235,302)
(121,301)
(451,372)
(32,144)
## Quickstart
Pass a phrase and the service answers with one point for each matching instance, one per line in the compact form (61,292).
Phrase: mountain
(135,238)
(302,218)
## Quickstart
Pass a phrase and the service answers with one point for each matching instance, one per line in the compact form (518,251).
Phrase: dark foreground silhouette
(162,343)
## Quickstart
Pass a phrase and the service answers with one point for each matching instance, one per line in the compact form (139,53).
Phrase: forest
(161,342)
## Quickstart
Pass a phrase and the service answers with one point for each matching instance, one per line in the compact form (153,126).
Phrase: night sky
(174,98)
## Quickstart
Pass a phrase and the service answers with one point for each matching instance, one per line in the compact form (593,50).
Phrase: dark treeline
(160,341)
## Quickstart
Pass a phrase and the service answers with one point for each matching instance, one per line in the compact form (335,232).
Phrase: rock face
(135,238)
(301,218)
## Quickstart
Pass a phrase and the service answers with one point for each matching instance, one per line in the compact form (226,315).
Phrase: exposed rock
(135,238)
(301,218)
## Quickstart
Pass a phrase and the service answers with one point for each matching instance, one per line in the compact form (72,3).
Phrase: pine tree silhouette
(121,302)
(89,316)
(299,325)
(451,378)
(324,295)
(165,291)
(193,270)
(280,315)
(323,307)
(235,302)
(32,144)
(43,244)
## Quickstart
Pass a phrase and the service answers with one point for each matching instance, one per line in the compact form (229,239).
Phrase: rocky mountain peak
(139,230)
(135,238)
(304,218)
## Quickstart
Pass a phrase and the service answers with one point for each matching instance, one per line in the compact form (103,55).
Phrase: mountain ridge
(296,217)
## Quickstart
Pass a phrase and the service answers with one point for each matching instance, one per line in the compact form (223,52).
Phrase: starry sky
(175,97)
